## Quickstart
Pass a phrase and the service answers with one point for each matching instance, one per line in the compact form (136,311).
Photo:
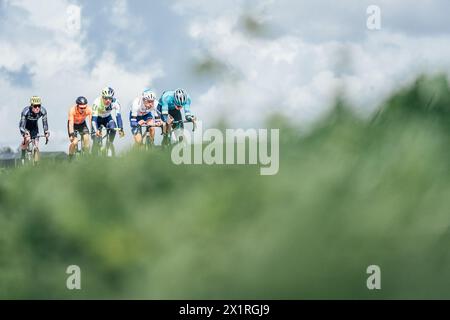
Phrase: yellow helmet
(35,101)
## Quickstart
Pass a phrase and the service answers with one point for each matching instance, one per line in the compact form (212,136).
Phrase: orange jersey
(77,117)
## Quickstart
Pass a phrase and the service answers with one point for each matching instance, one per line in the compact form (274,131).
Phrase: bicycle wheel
(109,150)
(28,160)
(165,143)
(34,156)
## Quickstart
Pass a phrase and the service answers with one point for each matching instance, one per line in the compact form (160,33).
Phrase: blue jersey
(167,103)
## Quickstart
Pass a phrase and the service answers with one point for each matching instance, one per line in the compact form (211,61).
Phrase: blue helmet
(180,97)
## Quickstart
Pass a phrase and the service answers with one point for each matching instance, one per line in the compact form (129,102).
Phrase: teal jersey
(167,103)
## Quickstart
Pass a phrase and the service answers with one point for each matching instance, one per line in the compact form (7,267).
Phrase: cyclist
(29,125)
(77,124)
(102,109)
(143,112)
(170,105)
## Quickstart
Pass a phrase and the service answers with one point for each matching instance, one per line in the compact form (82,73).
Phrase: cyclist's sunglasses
(36,106)
(81,107)
(108,98)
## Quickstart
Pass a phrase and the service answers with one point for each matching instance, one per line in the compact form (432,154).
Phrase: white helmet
(148,95)
(108,92)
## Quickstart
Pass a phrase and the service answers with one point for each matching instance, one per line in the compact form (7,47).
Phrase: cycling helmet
(108,92)
(148,95)
(180,97)
(35,101)
(81,101)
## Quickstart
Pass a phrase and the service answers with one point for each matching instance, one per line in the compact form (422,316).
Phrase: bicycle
(147,142)
(80,150)
(172,136)
(104,149)
(32,151)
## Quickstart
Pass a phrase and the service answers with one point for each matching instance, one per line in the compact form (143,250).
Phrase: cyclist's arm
(23,122)
(71,123)
(118,115)
(134,114)
(44,119)
(89,117)
(187,110)
(133,121)
(164,110)
(94,117)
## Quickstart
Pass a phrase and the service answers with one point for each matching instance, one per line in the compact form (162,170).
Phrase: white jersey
(138,108)
(100,110)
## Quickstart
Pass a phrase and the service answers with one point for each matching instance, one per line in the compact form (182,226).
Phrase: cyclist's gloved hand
(164,117)
(47,134)
(190,118)
(121,133)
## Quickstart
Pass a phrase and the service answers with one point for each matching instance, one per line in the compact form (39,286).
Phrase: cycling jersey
(101,111)
(139,111)
(78,118)
(167,103)
(29,120)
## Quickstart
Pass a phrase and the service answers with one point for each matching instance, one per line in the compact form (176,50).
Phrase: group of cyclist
(147,111)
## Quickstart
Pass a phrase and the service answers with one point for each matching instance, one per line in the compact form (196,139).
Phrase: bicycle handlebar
(194,123)
(149,126)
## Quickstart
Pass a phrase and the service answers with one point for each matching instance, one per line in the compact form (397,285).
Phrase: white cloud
(58,61)
(299,77)
(120,13)
(312,49)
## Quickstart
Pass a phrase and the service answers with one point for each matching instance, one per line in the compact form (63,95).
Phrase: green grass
(350,194)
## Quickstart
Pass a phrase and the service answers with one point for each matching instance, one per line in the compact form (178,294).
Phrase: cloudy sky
(241,60)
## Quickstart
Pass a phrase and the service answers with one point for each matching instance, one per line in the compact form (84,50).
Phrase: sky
(240,60)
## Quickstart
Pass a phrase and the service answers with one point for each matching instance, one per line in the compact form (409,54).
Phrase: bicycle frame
(32,149)
(79,151)
(170,137)
(109,149)
(146,140)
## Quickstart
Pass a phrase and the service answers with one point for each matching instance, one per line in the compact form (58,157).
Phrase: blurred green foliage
(350,194)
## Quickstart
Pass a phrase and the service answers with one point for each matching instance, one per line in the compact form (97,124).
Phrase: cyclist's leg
(152,135)
(111,134)
(24,145)
(97,141)
(74,142)
(178,118)
(85,137)
(111,124)
(167,131)
(35,140)
(150,130)
(137,133)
